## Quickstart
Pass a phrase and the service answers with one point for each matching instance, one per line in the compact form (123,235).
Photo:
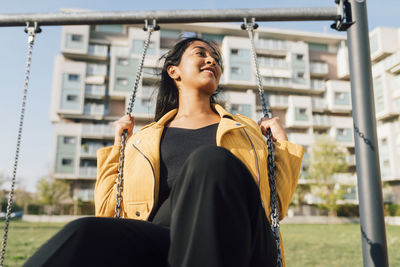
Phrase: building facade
(385,56)
(304,76)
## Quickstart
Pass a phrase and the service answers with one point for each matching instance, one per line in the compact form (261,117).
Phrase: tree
(51,192)
(327,158)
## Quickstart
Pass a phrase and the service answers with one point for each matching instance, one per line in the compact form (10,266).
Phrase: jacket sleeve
(288,157)
(105,189)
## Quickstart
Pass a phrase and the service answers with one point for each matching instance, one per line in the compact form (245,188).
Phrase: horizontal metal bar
(171,16)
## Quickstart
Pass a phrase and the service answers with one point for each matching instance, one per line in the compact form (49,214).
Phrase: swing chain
(150,28)
(274,215)
(31,31)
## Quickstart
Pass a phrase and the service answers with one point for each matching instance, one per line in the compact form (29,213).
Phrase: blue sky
(37,139)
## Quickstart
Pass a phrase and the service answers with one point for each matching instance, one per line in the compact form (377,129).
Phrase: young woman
(195,190)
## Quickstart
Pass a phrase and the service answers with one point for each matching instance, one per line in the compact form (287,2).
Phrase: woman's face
(198,69)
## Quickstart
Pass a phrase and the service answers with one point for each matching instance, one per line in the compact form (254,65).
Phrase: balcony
(321,121)
(90,149)
(392,63)
(93,110)
(278,101)
(304,139)
(97,130)
(276,81)
(88,172)
(272,44)
(95,91)
(351,160)
(270,62)
(318,69)
(98,50)
(319,104)
(317,85)
(85,194)
(96,70)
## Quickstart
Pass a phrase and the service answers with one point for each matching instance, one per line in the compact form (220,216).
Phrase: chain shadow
(376,250)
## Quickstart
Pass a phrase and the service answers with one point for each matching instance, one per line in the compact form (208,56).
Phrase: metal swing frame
(349,16)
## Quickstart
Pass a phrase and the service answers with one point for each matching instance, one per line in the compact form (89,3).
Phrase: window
(235,52)
(386,163)
(66,162)
(235,70)
(72,98)
(122,81)
(339,95)
(342,98)
(73,77)
(122,61)
(301,114)
(341,131)
(76,38)
(299,57)
(69,140)
(300,75)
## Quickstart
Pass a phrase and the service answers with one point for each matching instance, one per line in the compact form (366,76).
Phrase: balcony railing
(96,70)
(321,120)
(90,150)
(98,50)
(97,130)
(88,172)
(278,100)
(351,160)
(95,90)
(272,44)
(276,81)
(93,109)
(85,194)
(319,68)
(319,104)
(272,63)
(317,84)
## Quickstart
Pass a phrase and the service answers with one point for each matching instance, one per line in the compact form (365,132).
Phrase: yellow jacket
(239,134)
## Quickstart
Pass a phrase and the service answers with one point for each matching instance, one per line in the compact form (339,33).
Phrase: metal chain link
(274,215)
(31,30)
(150,29)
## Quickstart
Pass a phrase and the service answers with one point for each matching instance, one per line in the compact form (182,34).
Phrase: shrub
(348,210)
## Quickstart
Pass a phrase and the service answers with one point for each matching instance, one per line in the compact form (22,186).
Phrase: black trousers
(212,218)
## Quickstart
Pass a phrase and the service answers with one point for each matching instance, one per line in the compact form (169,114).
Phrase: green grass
(332,245)
(305,245)
(25,238)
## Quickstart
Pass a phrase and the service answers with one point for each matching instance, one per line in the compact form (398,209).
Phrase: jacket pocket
(137,210)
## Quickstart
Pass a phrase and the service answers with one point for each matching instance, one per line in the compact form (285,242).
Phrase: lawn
(332,245)
(305,245)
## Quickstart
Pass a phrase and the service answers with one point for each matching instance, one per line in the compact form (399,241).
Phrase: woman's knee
(85,226)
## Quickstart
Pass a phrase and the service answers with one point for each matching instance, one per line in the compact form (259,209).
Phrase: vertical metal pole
(365,137)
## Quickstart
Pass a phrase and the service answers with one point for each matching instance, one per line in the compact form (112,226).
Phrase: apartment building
(385,56)
(94,75)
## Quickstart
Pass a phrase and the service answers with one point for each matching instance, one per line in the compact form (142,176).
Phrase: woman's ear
(173,72)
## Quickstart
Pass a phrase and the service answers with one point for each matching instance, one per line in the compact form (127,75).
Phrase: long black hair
(168,97)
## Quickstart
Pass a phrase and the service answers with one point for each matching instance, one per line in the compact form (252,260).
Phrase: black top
(175,146)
